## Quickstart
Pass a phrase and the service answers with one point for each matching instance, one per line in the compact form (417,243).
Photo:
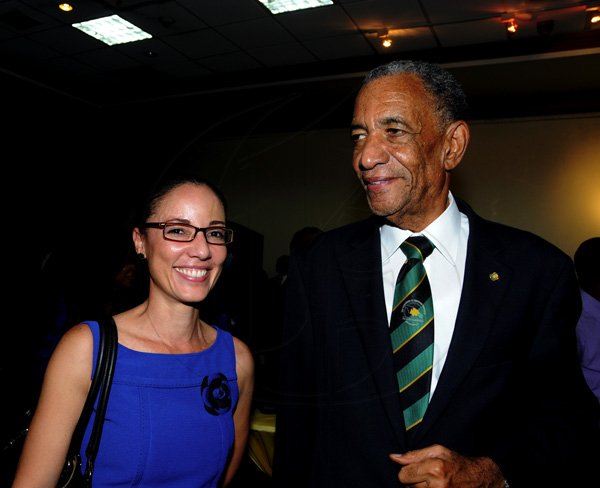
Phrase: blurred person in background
(587,267)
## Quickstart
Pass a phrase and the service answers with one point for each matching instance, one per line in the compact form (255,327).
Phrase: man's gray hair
(451,101)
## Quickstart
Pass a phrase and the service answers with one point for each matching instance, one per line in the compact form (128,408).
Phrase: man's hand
(438,467)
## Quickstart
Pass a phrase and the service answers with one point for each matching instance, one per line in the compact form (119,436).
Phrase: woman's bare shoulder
(241,348)
(243,355)
(74,348)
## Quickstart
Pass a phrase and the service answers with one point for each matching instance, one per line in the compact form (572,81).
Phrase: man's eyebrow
(383,122)
(391,120)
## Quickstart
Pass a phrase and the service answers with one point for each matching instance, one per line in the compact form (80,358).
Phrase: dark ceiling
(229,67)
(229,51)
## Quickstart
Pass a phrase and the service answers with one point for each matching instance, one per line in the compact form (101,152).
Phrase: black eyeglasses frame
(163,225)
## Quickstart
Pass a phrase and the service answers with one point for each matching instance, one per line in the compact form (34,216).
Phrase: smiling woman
(185,381)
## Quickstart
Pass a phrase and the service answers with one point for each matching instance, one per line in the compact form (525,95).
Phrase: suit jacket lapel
(362,275)
(486,280)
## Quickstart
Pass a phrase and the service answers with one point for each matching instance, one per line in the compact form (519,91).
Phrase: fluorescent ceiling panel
(112,30)
(280,6)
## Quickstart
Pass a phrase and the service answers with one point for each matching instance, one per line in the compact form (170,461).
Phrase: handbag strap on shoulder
(101,383)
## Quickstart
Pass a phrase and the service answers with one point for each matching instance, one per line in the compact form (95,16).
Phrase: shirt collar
(443,232)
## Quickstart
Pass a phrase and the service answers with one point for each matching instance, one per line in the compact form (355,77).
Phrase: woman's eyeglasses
(187,233)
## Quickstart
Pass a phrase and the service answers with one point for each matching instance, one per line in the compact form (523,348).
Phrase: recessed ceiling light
(593,18)
(112,30)
(280,6)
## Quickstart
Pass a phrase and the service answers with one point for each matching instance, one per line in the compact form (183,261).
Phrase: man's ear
(457,140)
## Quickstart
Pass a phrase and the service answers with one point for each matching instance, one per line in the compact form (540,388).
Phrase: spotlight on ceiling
(511,27)
(384,37)
(592,20)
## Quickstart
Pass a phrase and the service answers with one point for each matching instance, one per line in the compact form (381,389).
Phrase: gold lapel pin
(494,276)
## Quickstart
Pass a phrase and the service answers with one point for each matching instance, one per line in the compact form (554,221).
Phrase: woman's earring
(141,256)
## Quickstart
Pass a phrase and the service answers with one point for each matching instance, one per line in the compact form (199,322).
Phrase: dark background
(87,129)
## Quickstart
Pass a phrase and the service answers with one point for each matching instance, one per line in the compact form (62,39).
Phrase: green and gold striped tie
(411,328)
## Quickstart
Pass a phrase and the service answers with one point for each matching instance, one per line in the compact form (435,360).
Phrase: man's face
(399,150)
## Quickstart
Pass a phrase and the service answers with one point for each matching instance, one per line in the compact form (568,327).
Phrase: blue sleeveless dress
(169,420)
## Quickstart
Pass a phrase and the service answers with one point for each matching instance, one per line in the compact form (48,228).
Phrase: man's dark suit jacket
(511,387)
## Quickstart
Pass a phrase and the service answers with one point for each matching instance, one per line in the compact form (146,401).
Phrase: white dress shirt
(445,268)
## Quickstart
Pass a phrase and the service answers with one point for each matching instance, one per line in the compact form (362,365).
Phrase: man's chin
(380,209)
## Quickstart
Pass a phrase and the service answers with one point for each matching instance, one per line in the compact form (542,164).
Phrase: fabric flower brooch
(216,394)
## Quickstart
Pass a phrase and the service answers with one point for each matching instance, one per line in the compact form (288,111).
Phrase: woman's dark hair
(165,186)
(451,101)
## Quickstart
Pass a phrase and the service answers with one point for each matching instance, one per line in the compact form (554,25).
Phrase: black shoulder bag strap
(101,383)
